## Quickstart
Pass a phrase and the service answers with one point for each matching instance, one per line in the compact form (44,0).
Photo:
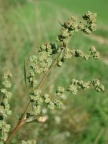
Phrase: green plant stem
(22,118)
(18,124)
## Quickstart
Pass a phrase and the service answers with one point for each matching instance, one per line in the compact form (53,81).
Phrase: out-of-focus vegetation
(24,25)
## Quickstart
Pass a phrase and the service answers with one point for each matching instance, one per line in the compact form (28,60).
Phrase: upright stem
(18,124)
(22,118)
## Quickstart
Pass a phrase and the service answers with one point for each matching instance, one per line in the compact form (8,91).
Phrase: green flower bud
(86,56)
(93,27)
(96,82)
(8,95)
(60,90)
(74,81)
(36,110)
(47,100)
(9,112)
(67,53)
(6,83)
(45,69)
(33,59)
(90,17)
(84,85)
(92,49)
(64,33)
(5,101)
(40,101)
(4,136)
(68,23)
(102,87)
(7,75)
(79,53)
(43,47)
(4,91)
(46,96)
(30,79)
(58,103)
(2,110)
(73,89)
(96,55)
(81,25)
(51,105)
(98,89)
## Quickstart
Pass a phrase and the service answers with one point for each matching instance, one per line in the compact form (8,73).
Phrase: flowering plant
(40,65)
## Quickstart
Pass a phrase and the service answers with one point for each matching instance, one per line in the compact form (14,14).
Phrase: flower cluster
(76,85)
(41,62)
(60,90)
(36,101)
(92,52)
(70,27)
(51,104)
(91,22)
(98,86)
(39,101)
(5,107)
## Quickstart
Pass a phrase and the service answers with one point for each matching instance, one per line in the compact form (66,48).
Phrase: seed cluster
(72,26)
(77,85)
(90,18)
(39,101)
(41,62)
(92,52)
(5,107)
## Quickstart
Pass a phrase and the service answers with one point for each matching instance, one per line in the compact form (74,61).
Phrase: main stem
(23,116)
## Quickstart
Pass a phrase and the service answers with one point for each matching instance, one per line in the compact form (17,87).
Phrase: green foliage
(40,65)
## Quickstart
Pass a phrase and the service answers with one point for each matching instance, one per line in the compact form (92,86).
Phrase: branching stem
(25,111)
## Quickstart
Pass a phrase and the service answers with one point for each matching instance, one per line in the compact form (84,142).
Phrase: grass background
(24,25)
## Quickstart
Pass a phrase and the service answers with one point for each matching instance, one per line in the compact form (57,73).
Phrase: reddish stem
(18,125)
(22,118)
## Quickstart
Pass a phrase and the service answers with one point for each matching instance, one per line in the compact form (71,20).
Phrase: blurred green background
(24,26)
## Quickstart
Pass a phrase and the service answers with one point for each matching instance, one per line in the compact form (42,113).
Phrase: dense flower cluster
(92,52)
(91,22)
(70,27)
(60,90)
(98,86)
(5,107)
(39,101)
(41,62)
(76,85)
